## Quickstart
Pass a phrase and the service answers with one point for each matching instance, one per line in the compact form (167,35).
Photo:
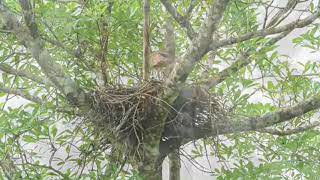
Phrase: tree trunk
(174,165)
(147,161)
(150,172)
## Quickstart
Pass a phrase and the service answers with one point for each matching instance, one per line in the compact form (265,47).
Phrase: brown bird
(160,59)
(162,63)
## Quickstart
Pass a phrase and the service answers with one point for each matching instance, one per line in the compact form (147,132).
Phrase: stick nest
(123,114)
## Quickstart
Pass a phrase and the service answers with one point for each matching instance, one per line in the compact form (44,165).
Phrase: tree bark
(148,171)
(174,165)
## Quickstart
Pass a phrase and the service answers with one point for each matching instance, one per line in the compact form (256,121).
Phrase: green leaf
(54,130)
(29,139)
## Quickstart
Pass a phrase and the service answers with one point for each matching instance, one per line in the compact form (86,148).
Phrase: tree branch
(269,31)
(182,21)
(185,133)
(22,94)
(146,41)
(243,61)
(170,41)
(283,13)
(8,69)
(29,17)
(269,119)
(198,48)
(192,5)
(74,53)
(291,131)
(51,69)
(104,43)
(48,168)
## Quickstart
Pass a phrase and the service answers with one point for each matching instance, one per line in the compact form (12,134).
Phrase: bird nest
(123,114)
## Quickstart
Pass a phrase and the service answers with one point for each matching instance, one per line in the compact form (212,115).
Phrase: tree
(79,66)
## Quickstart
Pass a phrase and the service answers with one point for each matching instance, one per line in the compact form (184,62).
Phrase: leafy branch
(21,93)
(51,69)
(269,31)
(23,73)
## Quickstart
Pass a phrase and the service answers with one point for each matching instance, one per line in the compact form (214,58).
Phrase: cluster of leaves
(270,82)
(42,141)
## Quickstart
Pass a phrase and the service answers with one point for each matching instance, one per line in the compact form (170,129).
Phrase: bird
(162,63)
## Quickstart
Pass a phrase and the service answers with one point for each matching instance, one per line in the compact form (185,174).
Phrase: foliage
(46,140)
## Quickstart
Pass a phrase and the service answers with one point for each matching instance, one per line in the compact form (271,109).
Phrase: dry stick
(146,41)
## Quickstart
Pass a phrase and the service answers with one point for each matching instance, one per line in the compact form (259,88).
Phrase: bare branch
(269,31)
(21,93)
(283,13)
(183,21)
(146,41)
(8,69)
(48,65)
(291,131)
